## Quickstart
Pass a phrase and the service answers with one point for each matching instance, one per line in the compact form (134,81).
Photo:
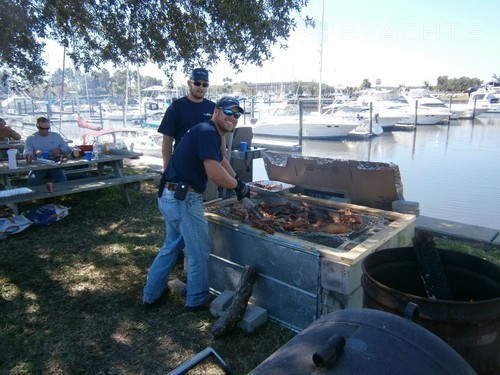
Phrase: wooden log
(431,269)
(239,305)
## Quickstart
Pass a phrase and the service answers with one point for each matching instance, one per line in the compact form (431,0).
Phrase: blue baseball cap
(228,102)
(199,73)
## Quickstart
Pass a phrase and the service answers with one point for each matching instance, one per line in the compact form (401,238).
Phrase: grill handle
(330,351)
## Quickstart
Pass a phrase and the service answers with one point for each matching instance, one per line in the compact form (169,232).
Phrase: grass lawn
(70,296)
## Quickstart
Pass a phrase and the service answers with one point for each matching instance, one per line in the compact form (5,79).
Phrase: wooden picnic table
(6,145)
(107,172)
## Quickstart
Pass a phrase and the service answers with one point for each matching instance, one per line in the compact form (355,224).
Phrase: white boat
(156,99)
(115,112)
(285,123)
(133,115)
(361,132)
(484,99)
(429,103)
(494,88)
(384,116)
(145,141)
(151,122)
(389,107)
(114,138)
(428,109)
(424,116)
(20,105)
(71,106)
(133,139)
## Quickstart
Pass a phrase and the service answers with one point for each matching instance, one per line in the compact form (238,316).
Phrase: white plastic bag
(12,225)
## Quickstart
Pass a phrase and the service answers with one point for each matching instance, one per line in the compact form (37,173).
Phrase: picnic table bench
(100,166)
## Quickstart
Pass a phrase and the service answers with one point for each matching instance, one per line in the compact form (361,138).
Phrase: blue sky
(397,41)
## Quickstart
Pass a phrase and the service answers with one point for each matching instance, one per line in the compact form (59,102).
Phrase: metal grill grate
(371,223)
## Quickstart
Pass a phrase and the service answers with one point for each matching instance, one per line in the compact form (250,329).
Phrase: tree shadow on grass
(71,297)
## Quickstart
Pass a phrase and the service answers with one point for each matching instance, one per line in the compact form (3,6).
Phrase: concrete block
(178,287)
(221,303)
(339,199)
(332,301)
(455,229)
(340,278)
(254,317)
(406,207)
(496,240)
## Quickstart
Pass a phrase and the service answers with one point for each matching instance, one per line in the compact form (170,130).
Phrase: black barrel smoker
(364,341)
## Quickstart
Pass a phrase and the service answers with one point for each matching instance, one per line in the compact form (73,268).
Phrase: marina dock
(277,144)
(458,230)
(435,226)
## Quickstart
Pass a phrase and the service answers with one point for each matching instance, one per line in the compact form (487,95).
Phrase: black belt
(172,186)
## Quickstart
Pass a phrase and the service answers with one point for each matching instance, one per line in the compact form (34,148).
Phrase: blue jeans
(187,228)
(36,177)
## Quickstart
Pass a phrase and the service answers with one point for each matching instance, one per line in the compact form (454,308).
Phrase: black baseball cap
(228,102)
(199,73)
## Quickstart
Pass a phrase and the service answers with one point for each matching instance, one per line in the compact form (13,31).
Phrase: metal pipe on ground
(301,115)
(197,359)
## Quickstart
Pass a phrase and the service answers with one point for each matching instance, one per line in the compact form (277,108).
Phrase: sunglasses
(44,128)
(228,112)
(198,84)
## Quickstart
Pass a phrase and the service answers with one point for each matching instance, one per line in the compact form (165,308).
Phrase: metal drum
(470,323)
(364,341)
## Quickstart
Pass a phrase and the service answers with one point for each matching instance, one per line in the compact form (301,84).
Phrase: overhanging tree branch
(164,32)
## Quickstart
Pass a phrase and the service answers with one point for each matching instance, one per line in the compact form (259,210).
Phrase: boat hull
(313,127)
(426,118)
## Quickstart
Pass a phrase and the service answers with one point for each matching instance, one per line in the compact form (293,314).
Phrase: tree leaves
(19,48)
(462,84)
(190,32)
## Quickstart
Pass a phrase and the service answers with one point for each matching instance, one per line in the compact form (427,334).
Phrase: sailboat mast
(61,105)
(125,106)
(321,59)
(139,98)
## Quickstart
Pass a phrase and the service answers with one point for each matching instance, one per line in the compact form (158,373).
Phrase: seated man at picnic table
(45,141)
(7,132)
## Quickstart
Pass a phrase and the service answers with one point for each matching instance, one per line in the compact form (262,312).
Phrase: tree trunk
(237,308)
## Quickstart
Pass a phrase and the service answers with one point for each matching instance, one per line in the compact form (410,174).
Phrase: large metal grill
(370,223)
(302,274)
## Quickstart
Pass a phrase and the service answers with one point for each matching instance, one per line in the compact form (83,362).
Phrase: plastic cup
(45,154)
(50,187)
(243,146)
(88,155)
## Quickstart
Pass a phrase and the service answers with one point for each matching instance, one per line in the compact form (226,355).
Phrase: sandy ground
(154,164)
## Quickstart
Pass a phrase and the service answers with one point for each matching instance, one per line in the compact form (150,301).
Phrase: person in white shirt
(45,141)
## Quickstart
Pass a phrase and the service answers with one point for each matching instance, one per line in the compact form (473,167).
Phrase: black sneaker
(148,306)
(204,306)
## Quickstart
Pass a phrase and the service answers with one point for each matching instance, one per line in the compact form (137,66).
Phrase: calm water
(453,171)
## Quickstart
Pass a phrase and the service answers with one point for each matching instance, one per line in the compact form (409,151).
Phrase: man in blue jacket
(197,158)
